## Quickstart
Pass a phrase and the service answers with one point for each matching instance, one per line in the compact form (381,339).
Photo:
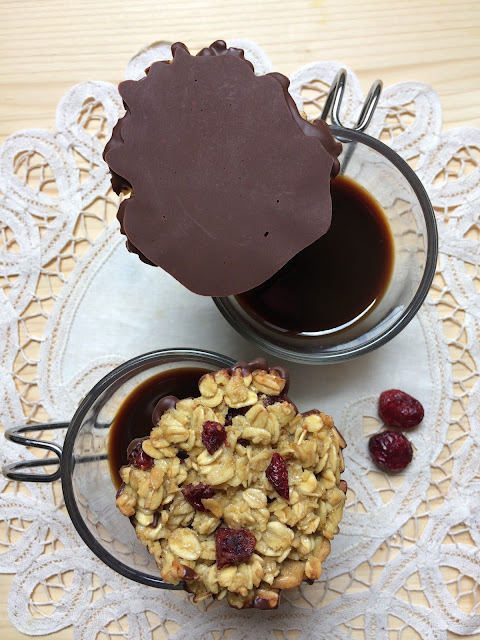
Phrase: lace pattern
(407,557)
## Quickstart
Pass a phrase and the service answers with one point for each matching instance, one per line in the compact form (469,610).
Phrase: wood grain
(46,47)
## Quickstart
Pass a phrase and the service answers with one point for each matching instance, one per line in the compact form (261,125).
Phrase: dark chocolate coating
(134,443)
(229,181)
(165,403)
(189,573)
(263,603)
(269,400)
(312,412)
(261,364)
(283,373)
(249,367)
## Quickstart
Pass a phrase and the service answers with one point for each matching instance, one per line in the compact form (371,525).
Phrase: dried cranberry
(277,474)
(399,409)
(390,450)
(139,459)
(233,546)
(234,412)
(195,493)
(213,435)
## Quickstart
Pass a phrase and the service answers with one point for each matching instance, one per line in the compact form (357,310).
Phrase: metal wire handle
(334,99)
(12,471)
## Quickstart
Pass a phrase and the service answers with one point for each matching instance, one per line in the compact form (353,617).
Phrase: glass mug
(83,464)
(394,185)
(405,203)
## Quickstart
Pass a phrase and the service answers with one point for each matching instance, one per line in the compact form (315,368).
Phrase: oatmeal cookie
(235,492)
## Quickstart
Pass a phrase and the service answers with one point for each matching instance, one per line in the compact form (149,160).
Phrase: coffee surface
(336,280)
(134,418)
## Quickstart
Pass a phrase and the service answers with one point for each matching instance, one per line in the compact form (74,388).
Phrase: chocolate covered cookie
(226,181)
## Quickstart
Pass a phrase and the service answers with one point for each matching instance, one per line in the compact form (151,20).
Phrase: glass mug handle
(335,97)
(333,104)
(15,434)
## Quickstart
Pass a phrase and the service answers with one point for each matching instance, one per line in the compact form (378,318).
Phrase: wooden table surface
(46,47)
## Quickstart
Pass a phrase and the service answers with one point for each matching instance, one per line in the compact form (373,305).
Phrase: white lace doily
(407,559)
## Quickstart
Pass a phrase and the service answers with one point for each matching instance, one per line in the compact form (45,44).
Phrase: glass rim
(343,134)
(138,363)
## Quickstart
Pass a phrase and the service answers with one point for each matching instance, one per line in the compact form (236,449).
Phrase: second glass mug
(83,465)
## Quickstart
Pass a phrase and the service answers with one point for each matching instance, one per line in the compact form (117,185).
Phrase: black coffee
(134,418)
(337,279)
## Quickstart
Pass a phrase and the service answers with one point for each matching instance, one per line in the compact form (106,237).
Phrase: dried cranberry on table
(277,475)
(233,546)
(390,450)
(399,409)
(139,459)
(213,435)
(195,493)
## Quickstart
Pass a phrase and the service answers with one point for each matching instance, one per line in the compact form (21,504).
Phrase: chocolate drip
(179,47)
(167,402)
(269,400)
(119,184)
(285,375)
(263,603)
(257,364)
(312,412)
(189,573)
(318,128)
(134,443)
(219,48)
(261,364)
